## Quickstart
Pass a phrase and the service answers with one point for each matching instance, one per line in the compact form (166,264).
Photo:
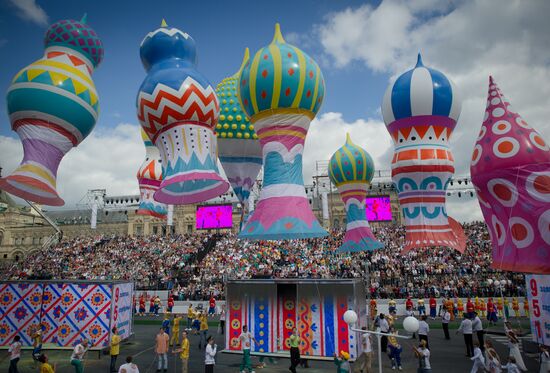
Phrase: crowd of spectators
(174,263)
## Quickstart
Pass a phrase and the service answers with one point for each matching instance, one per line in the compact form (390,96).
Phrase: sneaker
(393,368)
(400,367)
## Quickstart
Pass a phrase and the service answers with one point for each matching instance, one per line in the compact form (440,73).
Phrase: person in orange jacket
(526,306)
(373,308)
(515,306)
(450,306)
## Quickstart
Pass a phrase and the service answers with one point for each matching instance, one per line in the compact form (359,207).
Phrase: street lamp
(410,324)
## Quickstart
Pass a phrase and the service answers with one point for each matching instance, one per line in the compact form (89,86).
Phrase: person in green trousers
(246,339)
(78,355)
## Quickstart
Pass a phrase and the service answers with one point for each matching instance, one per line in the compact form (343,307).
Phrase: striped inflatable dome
(281,78)
(351,163)
(421,91)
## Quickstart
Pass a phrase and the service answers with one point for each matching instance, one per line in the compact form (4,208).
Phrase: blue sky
(221,29)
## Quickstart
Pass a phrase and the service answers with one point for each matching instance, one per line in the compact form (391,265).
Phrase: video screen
(214,216)
(378,208)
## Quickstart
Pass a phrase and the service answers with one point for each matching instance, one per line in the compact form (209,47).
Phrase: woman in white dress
(492,360)
(544,359)
(513,344)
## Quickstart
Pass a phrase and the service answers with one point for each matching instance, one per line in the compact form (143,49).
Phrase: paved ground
(447,356)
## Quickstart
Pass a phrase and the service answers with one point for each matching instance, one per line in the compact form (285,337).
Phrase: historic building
(23,231)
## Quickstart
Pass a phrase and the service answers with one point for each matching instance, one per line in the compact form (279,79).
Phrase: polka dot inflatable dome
(281,78)
(505,137)
(78,36)
(351,163)
(233,122)
(421,91)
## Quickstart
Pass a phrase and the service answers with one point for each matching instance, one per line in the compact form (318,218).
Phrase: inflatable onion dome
(233,122)
(281,79)
(422,91)
(505,139)
(167,43)
(351,163)
(77,36)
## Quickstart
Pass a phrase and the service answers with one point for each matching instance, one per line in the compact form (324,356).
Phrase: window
(155,229)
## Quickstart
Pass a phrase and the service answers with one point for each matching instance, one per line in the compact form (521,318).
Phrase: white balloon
(509,282)
(411,324)
(490,281)
(497,283)
(350,317)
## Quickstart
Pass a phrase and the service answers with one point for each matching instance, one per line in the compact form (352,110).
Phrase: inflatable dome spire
(149,178)
(420,110)
(281,89)
(178,109)
(238,145)
(53,105)
(351,169)
(511,172)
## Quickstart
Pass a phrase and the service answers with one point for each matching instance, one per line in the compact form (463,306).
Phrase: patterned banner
(20,308)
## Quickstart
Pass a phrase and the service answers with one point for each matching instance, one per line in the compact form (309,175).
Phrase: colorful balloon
(420,110)
(238,145)
(149,178)
(511,172)
(178,109)
(281,89)
(53,106)
(351,169)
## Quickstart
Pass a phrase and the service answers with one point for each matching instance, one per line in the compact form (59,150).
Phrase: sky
(360,46)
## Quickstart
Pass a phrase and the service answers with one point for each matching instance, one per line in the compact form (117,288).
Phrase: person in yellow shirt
(115,348)
(175,338)
(45,367)
(483,307)
(190,316)
(203,331)
(184,352)
(460,306)
(526,306)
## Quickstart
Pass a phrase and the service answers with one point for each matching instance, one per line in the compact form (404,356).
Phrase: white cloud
(29,10)
(106,159)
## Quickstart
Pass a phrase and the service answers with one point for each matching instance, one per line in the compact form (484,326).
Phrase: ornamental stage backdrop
(67,312)
(272,308)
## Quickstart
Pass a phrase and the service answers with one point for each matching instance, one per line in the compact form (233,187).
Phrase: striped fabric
(421,91)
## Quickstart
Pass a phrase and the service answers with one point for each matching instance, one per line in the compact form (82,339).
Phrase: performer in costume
(515,306)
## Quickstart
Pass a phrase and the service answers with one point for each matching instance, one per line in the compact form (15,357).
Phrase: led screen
(214,216)
(378,208)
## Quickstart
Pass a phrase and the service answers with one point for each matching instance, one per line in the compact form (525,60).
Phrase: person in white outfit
(478,359)
(513,344)
(492,360)
(210,355)
(544,359)
(511,366)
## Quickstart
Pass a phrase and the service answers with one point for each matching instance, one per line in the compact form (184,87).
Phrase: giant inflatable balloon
(238,145)
(281,89)
(178,109)
(511,172)
(53,106)
(420,110)
(149,178)
(351,169)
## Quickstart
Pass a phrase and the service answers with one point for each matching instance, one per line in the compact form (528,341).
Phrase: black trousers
(222,326)
(384,343)
(209,368)
(469,341)
(113,363)
(480,339)
(13,365)
(446,330)
(422,337)
(294,358)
